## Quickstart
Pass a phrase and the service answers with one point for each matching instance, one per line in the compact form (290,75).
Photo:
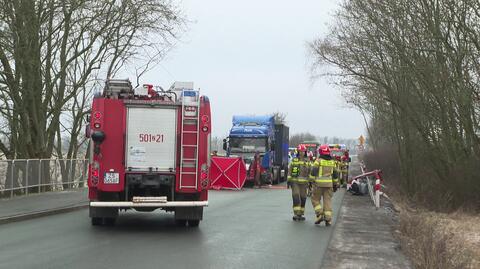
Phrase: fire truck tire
(193,223)
(276,175)
(109,221)
(284,168)
(96,221)
(181,222)
(279,175)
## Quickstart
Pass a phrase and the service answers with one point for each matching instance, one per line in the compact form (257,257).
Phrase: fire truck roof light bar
(149,204)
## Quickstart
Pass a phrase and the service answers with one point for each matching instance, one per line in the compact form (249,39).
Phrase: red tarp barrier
(227,173)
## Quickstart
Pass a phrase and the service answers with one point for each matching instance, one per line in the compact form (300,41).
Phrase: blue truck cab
(259,134)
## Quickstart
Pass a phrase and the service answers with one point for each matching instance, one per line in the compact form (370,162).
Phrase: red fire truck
(150,150)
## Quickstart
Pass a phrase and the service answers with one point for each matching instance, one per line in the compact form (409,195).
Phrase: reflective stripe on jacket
(298,171)
(324,173)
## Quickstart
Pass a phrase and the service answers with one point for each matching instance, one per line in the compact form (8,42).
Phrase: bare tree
(53,52)
(412,66)
(299,138)
(280,118)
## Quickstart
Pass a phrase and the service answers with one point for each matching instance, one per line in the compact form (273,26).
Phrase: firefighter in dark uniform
(298,179)
(257,170)
(345,160)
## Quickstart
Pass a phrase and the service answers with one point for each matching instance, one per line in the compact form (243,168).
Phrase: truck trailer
(150,149)
(251,135)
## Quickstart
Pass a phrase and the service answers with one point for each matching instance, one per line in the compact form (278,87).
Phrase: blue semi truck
(260,135)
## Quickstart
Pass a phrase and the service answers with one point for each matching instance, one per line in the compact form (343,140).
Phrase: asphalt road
(241,229)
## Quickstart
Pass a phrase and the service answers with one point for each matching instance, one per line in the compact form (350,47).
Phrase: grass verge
(440,241)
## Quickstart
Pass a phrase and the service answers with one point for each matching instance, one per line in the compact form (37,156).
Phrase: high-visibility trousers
(299,197)
(344,177)
(326,209)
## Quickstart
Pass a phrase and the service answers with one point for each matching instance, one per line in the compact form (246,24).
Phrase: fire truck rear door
(151,138)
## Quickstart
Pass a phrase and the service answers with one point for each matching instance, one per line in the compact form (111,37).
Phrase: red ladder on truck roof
(187,120)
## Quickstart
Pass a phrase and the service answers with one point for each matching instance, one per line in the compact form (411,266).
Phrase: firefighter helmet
(302,148)
(324,150)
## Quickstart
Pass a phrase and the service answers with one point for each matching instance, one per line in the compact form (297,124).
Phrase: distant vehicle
(312,147)
(150,150)
(337,150)
(250,135)
(340,153)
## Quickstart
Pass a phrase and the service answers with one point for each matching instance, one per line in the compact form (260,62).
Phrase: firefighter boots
(319,219)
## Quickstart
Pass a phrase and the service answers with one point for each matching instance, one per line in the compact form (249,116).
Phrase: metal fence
(25,176)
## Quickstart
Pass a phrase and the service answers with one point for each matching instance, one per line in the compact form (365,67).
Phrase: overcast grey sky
(250,57)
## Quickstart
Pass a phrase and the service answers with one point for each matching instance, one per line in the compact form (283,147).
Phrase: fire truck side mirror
(225,144)
(97,137)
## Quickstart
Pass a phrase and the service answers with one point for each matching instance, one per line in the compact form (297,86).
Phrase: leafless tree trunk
(413,67)
(52,53)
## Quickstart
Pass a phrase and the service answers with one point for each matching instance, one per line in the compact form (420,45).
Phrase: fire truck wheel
(276,176)
(96,221)
(194,223)
(110,221)
(181,222)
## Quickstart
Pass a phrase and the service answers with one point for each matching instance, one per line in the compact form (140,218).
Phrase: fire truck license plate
(111,178)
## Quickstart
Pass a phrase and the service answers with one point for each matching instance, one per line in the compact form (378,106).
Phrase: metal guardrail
(25,176)
(369,183)
(374,184)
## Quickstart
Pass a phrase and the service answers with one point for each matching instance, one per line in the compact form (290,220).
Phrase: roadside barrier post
(11,178)
(375,190)
(26,178)
(377,193)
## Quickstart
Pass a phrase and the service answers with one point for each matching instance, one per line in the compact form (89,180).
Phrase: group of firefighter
(322,175)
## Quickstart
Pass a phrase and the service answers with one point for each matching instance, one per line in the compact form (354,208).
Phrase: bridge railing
(26,176)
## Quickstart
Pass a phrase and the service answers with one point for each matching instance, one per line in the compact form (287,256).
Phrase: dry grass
(432,240)
(466,228)
(440,241)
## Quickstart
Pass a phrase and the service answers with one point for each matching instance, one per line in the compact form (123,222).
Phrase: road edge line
(42,213)
(337,219)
